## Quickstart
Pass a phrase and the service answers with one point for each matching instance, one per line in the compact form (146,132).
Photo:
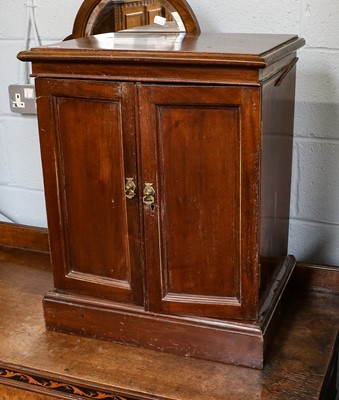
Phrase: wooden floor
(70,367)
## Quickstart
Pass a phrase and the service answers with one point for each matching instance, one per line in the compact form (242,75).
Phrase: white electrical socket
(22,99)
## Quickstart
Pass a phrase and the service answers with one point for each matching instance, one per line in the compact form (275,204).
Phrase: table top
(225,48)
(50,361)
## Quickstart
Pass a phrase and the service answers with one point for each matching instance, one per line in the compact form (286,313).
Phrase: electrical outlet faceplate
(22,99)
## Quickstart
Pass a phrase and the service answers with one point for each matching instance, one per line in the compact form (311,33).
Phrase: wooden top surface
(295,368)
(257,50)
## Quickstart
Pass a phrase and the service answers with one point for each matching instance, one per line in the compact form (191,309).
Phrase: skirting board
(322,278)
(24,237)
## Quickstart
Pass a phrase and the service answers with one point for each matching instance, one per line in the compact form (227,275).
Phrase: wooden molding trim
(317,277)
(24,237)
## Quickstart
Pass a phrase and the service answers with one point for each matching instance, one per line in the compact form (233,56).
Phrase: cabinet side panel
(276,164)
(199,171)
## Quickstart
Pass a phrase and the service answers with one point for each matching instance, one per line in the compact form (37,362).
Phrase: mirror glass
(134,16)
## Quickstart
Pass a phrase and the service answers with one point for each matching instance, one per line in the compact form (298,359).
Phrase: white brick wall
(314,230)
(21,185)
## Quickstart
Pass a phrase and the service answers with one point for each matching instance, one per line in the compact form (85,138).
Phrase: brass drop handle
(149,194)
(130,188)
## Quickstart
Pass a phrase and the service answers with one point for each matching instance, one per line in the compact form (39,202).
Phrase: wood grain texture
(240,343)
(296,366)
(275,173)
(187,265)
(98,245)
(126,71)
(200,146)
(253,50)
(317,277)
(24,236)
(12,393)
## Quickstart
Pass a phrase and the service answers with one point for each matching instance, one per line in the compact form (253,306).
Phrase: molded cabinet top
(255,50)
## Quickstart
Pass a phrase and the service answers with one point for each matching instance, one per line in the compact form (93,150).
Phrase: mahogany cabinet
(167,166)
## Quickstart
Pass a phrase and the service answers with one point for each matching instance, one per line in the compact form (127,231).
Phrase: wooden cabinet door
(200,151)
(133,17)
(88,149)
(152,11)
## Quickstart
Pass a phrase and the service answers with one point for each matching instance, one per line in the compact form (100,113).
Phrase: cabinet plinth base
(239,343)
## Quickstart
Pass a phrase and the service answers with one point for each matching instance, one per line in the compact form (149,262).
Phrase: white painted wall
(314,228)
(21,185)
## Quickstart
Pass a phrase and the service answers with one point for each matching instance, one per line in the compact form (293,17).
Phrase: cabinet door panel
(195,151)
(153,10)
(193,174)
(99,234)
(133,17)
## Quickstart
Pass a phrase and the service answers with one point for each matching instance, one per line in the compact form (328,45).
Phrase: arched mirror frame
(81,22)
